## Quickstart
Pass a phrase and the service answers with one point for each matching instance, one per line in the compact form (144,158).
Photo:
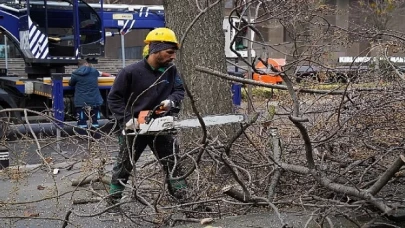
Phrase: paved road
(17,188)
(51,212)
(23,191)
(26,183)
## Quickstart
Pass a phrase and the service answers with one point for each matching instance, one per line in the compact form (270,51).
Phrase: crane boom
(54,34)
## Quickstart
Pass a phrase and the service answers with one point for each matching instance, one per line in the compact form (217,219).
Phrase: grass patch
(263,93)
(337,86)
(268,93)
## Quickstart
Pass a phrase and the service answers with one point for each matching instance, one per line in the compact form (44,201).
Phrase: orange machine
(269,76)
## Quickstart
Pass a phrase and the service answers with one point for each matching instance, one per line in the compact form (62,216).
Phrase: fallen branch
(328,183)
(387,175)
(173,223)
(66,222)
(89,179)
(85,201)
(236,194)
(240,196)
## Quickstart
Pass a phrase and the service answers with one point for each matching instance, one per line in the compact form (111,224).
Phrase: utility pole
(123,49)
(122,34)
(250,75)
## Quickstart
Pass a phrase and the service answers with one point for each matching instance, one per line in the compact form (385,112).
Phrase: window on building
(134,52)
(229,4)
(287,35)
(330,2)
(356,20)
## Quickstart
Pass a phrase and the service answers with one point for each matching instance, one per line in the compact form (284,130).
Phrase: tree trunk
(203,45)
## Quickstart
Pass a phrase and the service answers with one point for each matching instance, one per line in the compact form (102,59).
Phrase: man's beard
(163,63)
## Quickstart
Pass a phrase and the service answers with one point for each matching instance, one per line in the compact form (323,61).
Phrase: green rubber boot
(177,188)
(114,197)
(116,190)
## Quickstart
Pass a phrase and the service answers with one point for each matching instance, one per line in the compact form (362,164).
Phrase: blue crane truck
(51,35)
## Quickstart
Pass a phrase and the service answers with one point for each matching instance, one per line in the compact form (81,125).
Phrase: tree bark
(275,145)
(202,44)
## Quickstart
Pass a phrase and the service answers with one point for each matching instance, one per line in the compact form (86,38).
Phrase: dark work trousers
(82,115)
(162,145)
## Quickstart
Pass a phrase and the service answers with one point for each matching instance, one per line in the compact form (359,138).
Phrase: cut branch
(231,191)
(387,175)
(90,179)
(85,201)
(326,182)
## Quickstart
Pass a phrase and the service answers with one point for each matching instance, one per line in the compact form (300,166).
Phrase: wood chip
(30,214)
(40,187)
(206,221)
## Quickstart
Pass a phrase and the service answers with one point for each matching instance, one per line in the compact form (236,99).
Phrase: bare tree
(198,25)
(379,14)
(327,150)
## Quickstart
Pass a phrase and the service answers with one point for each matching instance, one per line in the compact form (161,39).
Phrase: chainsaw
(157,121)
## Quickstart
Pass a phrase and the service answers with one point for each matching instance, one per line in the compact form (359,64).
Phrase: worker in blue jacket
(87,97)
(142,86)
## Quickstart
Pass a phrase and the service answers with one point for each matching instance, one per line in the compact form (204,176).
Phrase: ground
(50,213)
(32,181)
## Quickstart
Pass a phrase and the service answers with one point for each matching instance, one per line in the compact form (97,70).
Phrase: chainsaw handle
(158,109)
(156,112)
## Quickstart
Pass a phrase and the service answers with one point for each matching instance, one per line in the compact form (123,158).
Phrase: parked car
(345,74)
(306,72)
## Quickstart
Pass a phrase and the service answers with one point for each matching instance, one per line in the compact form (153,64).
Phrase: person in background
(133,92)
(87,97)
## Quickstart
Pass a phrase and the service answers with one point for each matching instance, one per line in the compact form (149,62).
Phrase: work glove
(167,104)
(132,124)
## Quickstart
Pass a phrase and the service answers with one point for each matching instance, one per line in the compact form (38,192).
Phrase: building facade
(355,21)
(348,15)
(133,41)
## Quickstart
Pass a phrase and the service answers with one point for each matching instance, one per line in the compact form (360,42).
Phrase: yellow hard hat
(161,35)
(145,51)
